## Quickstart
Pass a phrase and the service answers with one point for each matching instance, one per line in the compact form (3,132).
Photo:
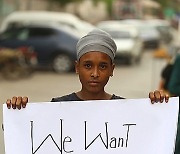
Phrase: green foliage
(64,2)
(164,3)
(108,3)
(173,4)
(109,6)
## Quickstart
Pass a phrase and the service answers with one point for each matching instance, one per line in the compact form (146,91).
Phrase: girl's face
(94,69)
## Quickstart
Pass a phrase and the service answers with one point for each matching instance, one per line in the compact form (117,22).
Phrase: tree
(164,3)
(175,4)
(108,3)
(64,2)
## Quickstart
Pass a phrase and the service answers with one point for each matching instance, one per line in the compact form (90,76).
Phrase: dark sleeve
(117,97)
(59,99)
(62,98)
(174,82)
(69,97)
(54,100)
(166,72)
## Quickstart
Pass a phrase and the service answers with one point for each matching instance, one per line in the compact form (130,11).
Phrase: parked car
(149,34)
(126,37)
(55,46)
(69,20)
(163,27)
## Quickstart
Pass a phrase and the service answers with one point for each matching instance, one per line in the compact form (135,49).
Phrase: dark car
(55,46)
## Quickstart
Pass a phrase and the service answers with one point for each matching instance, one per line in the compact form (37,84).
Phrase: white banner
(129,126)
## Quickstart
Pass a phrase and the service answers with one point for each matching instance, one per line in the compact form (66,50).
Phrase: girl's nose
(95,73)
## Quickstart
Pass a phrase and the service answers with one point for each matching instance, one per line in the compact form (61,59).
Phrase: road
(127,81)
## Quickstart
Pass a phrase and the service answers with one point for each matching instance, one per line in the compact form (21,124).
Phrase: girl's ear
(113,66)
(77,67)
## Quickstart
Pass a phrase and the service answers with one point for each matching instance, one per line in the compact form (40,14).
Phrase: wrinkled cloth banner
(129,126)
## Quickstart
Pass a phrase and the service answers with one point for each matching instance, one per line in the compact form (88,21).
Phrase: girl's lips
(93,83)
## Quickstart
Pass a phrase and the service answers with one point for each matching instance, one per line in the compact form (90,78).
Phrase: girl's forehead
(95,55)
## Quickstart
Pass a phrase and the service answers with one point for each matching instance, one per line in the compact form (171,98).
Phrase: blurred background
(38,45)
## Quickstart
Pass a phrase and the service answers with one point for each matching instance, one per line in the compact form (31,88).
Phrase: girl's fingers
(24,101)
(13,102)
(8,103)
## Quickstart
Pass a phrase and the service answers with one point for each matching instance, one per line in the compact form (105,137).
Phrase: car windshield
(146,28)
(119,34)
(163,28)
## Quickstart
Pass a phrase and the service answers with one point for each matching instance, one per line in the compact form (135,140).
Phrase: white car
(129,44)
(149,34)
(163,27)
(67,20)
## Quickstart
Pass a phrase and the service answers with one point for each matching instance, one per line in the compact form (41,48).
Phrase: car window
(8,35)
(23,34)
(41,32)
(163,29)
(14,33)
(14,24)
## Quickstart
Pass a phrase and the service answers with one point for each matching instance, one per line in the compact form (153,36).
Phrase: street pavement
(128,81)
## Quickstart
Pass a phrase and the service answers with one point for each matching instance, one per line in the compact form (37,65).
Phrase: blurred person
(174,81)
(166,73)
(174,88)
(170,55)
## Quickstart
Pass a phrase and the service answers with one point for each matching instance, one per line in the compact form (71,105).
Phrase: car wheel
(62,63)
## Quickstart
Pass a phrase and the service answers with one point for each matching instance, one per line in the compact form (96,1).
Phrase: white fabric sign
(129,126)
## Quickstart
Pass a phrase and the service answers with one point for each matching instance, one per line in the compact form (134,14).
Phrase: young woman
(95,65)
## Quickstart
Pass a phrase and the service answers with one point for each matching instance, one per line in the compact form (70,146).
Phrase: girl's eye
(87,65)
(103,66)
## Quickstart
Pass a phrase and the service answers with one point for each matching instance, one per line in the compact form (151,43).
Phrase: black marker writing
(113,142)
(127,135)
(63,141)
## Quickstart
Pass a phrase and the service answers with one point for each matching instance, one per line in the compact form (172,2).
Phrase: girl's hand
(158,96)
(17,102)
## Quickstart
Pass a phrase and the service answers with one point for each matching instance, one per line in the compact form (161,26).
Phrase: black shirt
(74,97)
(166,74)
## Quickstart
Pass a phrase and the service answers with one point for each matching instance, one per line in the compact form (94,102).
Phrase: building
(93,15)
(136,9)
